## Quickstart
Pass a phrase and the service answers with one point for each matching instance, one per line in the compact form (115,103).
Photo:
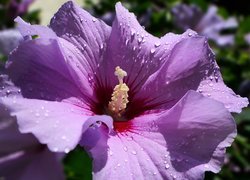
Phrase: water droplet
(126,42)
(134,152)
(102,46)
(130,138)
(157,44)
(139,40)
(152,51)
(125,148)
(110,153)
(8,92)
(94,19)
(132,32)
(66,150)
(167,166)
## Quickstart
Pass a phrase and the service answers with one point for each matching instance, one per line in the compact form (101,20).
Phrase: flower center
(119,98)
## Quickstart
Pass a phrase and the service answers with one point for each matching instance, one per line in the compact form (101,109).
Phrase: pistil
(119,99)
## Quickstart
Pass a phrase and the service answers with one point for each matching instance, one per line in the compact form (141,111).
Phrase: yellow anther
(120,74)
(119,99)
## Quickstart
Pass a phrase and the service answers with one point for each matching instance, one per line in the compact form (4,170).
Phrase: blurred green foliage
(78,165)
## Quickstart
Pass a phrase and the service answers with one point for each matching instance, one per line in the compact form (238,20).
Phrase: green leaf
(78,165)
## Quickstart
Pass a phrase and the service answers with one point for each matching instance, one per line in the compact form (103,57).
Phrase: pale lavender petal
(136,51)
(94,141)
(195,135)
(88,34)
(7,88)
(181,143)
(21,155)
(59,125)
(10,138)
(129,47)
(39,68)
(9,40)
(216,89)
(42,164)
(79,69)
(27,29)
(173,80)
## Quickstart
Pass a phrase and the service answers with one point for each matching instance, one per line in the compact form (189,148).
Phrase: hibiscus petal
(196,135)
(7,87)
(43,164)
(133,49)
(173,80)
(10,138)
(39,69)
(27,29)
(59,125)
(181,143)
(84,31)
(21,155)
(216,89)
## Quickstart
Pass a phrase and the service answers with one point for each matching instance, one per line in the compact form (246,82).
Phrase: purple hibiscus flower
(143,107)
(209,24)
(21,155)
